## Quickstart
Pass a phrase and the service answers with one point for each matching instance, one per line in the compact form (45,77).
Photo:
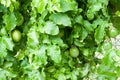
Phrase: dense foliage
(57,40)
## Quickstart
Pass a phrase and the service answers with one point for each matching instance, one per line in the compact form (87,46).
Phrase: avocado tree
(57,40)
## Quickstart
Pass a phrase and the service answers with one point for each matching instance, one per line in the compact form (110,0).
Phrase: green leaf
(84,34)
(32,37)
(88,26)
(76,31)
(9,43)
(61,19)
(3,31)
(39,4)
(8,64)
(107,45)
(96,7)
(37,57)
(20,55)
(51,28)
(67,5)
(116,4)
(40,56)
(79,19)
(61,77)
(3,8)
(71,62)
(92,1)
(115,22)
(74,74)
(105,1)
(57,41)
(105,71)
(6,3)
(35,74)
(90,15)
(78,43)
(54,5)
(54,52)
(85,69)
(4,74)
(100,32)
(10,21)
(86,52)
(44,14)
(97,22)
(19,18)
(3,51)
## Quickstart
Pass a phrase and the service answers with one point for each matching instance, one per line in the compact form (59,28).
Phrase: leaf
(19,18)
(3,8)
(8,42)
(3,51)
(4,74)
(36,56)
(109,66)
(115,21)
(6,3)
(76,31)
(54,5)
(85,69)
(67,5)
(88,26)
(92,1)
(96,7)
(105,71)
(35,74)
(40,56)
(8,64)
(10,21)
(78,43)
(105,1)
(115,3)
(40,5)
(61,77)
(86,52)
(57,41)
(79,19)
(20,55)
(100,32)
(44,14)
(60,19)
(74,74)
(97,22)
(54,52)
(51,28)
(3,31)
(84,34)
(32,37)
